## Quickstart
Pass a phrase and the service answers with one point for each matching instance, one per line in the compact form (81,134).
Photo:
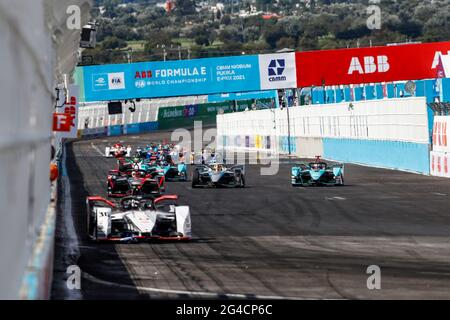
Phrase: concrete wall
(34,51)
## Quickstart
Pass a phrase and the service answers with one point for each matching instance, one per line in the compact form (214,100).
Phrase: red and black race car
(118,151)
(134,182)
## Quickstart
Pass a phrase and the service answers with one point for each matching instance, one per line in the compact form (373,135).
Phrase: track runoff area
(268,240)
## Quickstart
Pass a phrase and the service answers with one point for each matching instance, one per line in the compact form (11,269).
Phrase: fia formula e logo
(276,69)
(116,81)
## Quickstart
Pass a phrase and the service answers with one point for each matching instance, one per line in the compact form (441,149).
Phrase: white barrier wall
(358,132)
(31,57)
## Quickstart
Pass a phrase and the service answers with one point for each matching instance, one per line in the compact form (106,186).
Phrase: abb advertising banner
(369,65)
(439,164)
(65,122)
(441,127)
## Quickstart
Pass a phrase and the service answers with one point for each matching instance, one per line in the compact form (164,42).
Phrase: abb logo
(436,58)
(143,74)
(371,65)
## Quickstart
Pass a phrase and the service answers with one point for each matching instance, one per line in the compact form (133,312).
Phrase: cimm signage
(368,65)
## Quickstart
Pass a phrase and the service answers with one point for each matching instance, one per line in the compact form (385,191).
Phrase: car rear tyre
(340,181)
(241,181)
(195,179)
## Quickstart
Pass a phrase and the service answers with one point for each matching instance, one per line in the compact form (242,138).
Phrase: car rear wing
(302,165)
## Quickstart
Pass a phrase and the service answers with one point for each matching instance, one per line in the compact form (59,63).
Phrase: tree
(286,42)
(114,43)
(185,7)
(202,40)
(273,34)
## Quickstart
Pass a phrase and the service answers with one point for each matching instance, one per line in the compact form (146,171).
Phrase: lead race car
(218,175)
(138,218)
(117,151)
(318,172)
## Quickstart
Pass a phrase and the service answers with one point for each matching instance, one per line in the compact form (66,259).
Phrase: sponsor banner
(441,128)
(277,71)
(171,78)
(443,68)
(184,116)
(369,65)
(439,164)
(65,122)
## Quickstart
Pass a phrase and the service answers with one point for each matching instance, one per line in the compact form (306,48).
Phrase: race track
(268,240)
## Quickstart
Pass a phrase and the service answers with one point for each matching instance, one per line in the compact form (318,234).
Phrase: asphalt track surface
(269,240)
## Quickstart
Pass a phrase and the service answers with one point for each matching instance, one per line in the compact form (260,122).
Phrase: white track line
(201,294)
(97,149)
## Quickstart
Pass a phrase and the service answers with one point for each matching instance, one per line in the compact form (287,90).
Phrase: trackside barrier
(44,48)
(385,133)
(135,128)
(440,155)
(439,164)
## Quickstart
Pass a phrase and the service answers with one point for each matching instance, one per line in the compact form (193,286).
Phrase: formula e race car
(173,172)
(317,173)
(117,151)
(218,175)
(167,168)
(137,219)
(134,182)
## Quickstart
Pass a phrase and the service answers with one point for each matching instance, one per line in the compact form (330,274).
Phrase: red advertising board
(65,122)
(62,122)
(369,65)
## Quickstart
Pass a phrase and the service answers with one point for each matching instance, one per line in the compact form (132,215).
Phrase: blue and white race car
(218,175)
(317,173)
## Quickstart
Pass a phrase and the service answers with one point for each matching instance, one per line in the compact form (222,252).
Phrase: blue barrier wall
(389,154)
(424,88)
(134,128)
(115,130)
(148,126)
(131,128)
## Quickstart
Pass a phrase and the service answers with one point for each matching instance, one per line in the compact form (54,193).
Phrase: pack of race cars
(138,208)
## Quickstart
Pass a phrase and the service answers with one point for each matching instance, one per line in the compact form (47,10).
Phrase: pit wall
(383,133)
